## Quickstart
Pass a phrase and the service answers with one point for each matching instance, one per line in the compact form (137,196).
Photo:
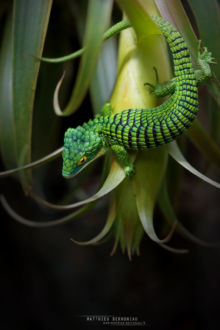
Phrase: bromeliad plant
(132,202)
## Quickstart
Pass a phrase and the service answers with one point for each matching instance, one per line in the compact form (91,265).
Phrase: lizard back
(150,128)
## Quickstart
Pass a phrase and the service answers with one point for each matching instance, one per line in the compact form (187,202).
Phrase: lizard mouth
(67,175)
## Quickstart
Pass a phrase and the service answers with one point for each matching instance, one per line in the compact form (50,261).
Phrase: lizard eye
(82,160)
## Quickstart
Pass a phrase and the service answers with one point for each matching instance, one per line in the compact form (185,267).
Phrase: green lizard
(139,129)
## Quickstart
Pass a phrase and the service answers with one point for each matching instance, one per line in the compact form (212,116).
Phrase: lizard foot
(152,87)
(161,89)
(204,59)
(205,55)
(129,170)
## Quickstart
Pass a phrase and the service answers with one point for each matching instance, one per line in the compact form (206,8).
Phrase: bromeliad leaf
(24,36)
(34,164)
(114,178)
(169,214)
(37,224)
(104,231)
(98,11)
(175,152)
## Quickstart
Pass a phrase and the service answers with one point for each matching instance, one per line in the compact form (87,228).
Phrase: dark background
(47,282)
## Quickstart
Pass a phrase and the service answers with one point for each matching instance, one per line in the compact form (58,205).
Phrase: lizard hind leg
(152,87)
(161,89)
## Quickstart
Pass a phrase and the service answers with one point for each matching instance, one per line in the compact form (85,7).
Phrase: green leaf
(170,216)
(24,36)
(127,220)
(207,16)
(45,224)
(129,91)
(114,178)
(140,20)
(204,143)
(208,20)
(105,75)
(175,152)
(214,121)
(7,123)
(147,181)
(104,231)
(113,30)
(174,12)
(149,173)
(34,164)
(98,11)
(214,89)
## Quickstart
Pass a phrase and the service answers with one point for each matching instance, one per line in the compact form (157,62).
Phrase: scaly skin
(140,129)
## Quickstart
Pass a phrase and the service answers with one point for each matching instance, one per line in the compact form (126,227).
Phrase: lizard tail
(179,50)
(150,128)
(176,113)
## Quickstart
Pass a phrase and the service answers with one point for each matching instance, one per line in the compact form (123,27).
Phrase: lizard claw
(205,55)
(152,87)
(129,170)
(204,59)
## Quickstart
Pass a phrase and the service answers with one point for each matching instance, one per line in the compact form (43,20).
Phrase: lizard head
(81,146)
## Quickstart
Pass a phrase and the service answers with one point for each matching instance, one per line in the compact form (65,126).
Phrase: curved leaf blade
(139,18)
(34,164)
(204,143)
(105,75)
(146,188)
(113,30)
(169,214)
(114,178)
(175,152)
(174,12)
(45,224)
(24,37)
(98,11)
(104,231)
(7,124)
(208,21)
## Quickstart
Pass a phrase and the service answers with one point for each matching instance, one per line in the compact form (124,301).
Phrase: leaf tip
(56,104)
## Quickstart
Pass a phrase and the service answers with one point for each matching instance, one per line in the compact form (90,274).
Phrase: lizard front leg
(120,152)
(123,158)
(106,109)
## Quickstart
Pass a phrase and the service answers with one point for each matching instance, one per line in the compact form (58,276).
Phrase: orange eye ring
(82,160)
